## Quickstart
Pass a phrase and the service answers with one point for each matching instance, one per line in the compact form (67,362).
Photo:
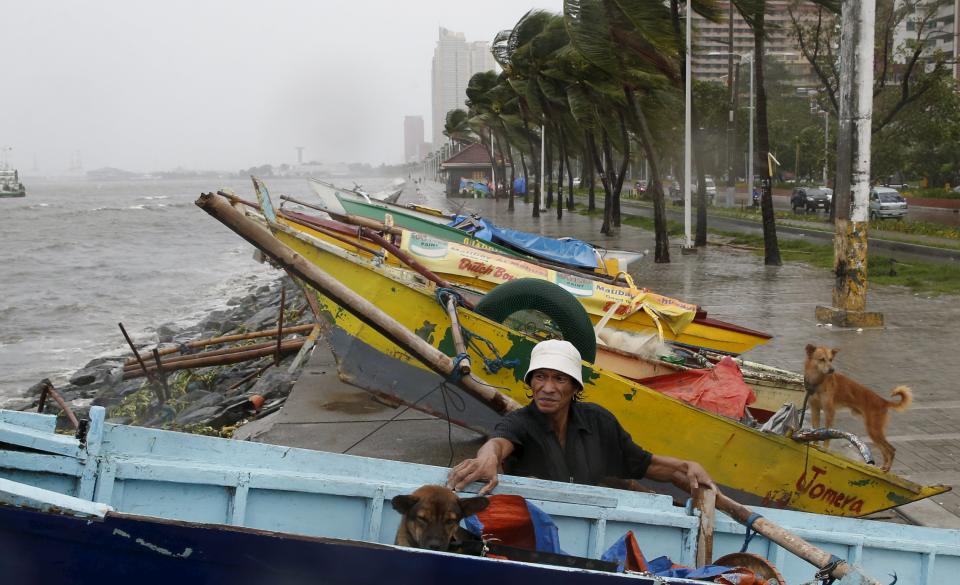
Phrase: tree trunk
(699,159)
(513,178)
(771,249)
(589,169)
(607,228)
(560,181)
(661,253)
(624,165)
(605,181)
(498,177)
(504,145)
(565,153)
(536,164)
(548,166)
(523,165)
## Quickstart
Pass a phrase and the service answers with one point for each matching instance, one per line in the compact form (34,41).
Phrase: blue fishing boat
(120,501)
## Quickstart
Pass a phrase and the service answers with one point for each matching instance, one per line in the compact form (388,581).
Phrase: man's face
(552,390)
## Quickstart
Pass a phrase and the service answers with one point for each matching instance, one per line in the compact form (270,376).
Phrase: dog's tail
(906,398)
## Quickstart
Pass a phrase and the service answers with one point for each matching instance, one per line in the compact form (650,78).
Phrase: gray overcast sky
(151,85)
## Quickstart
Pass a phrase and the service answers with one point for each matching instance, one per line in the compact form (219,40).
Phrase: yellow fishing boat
(772,469)
(620,305)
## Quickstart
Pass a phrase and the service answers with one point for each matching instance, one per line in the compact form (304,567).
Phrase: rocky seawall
(210,399)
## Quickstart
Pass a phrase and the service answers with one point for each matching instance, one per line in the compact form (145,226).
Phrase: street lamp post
(749,59)
(826,145)
(688,134)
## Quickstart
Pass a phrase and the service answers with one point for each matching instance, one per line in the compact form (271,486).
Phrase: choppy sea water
(78,257)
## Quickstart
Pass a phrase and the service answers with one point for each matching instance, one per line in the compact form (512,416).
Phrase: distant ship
(10,185)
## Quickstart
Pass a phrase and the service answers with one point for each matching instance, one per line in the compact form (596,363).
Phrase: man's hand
(471,470)
(687,475)
(483,467)
(697,476)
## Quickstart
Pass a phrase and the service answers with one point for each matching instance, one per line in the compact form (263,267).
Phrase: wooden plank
(375,516)
(41,441)
(238,503)
(41,463)
(31,420)
(19,494)
(705,502)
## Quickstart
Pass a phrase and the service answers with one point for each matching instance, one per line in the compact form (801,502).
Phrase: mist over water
(78,257)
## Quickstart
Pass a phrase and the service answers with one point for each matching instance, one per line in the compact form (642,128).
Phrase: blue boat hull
(39,547)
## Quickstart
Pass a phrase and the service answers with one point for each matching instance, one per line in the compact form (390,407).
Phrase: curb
(878,243)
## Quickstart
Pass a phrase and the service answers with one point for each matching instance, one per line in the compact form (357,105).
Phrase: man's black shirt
(596,446)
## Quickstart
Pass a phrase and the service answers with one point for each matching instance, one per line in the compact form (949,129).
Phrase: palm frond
(589,31)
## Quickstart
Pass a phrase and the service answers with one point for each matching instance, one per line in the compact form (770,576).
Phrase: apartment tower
(454,62)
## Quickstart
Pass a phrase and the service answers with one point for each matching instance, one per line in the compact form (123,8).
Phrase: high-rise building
(712,43)
(937,24)
(412,138)
(454,62)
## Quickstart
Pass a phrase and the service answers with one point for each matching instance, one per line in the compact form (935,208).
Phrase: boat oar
(450,304)
(225,339)
(221,358)
(220,208)
(827,563)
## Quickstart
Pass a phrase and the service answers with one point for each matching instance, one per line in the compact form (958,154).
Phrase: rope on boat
(491,364)
(443,293)
(823,575)
(813,435)
(494,364)
(750,533)
(456,373)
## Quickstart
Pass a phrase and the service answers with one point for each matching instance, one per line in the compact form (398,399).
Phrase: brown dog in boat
(430,516)
(830,389)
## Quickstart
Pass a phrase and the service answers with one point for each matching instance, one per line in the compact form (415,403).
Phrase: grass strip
(928,278)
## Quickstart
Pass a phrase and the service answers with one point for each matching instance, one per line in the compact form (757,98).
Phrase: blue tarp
(520,186)
(566,251)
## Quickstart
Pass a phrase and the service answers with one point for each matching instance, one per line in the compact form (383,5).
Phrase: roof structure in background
(474,156)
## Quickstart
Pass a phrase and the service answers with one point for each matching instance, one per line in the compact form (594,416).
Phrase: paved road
(942,211)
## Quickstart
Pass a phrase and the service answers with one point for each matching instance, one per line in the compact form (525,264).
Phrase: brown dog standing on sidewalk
(431,515)
(829,389)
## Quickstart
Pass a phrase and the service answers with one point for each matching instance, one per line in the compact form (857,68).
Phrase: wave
(141,207)
(153,197)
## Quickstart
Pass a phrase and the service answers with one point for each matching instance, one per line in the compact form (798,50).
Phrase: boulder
(273,383)
(166,332)
(202,405)
(108,372)
(198,415)
(263,319)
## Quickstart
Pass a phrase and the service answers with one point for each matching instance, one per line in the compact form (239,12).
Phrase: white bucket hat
(556,354)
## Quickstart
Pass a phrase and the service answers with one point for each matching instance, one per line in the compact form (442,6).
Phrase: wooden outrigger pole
(220,208)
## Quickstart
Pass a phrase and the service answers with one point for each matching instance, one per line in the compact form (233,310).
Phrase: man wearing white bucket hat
(560,438)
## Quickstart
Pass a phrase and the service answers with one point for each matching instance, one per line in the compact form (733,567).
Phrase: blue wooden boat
(162,505)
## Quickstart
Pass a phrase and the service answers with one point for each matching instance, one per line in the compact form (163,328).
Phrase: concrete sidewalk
(915,348)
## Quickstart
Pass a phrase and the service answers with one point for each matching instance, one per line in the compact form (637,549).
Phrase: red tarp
(720,389)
